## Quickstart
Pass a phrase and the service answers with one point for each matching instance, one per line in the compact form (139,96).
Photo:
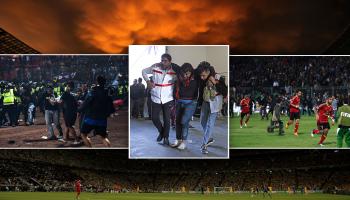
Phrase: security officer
(58,89)
(8,97)
(19,105)
(120,91)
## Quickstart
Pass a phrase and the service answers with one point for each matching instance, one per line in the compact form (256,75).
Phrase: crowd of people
(289,71)
(289,170)
(25,68)
(21,104)
(176,91)
(266,78)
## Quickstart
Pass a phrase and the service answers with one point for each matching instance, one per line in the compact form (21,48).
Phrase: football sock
(323,137)
(296,127)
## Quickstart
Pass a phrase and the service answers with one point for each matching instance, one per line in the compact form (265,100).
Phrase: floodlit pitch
(172,196)
(256,135)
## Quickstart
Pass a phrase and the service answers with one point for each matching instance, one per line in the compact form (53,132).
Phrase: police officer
(18,104)
(57,88)
(8,97)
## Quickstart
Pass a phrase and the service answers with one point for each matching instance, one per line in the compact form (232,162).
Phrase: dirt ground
(30,136)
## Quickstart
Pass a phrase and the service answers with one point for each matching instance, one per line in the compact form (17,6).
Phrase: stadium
(107,174)
(9,44)
(31,76)
(265,79)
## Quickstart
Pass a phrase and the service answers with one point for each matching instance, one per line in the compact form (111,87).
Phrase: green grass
(255,135)
(134,196)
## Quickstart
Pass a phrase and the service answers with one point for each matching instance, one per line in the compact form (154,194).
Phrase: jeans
(164,128)
(31,109)
(208,121)
(184,113)
(52,116)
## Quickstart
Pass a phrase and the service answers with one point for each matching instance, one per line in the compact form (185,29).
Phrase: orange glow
(80,26)
(150,21)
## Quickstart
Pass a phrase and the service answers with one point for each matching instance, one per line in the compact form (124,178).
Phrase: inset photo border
(178,101)
(289,101)
(64,101)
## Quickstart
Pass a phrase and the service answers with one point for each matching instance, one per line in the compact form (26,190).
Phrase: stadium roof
(9,44)
(341,45)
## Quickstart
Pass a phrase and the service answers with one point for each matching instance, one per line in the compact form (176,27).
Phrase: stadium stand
(9,44)
(52,170)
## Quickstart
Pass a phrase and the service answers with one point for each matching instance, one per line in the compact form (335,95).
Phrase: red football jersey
(295,101)
(245,105)
(324,112)
(77,186)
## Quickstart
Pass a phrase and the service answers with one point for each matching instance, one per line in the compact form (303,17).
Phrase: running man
(294,112)
(323,113)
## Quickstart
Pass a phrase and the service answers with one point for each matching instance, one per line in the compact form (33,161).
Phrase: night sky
(108,26)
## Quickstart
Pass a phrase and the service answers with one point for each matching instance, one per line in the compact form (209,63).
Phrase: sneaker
(245,125)
(210,141)
(60,137)
(176,144)
(61,140)
(205,150)
(48,138)
(182,146)
(321,145)
(241,126)
(295,133)
(44,137)
(76,142)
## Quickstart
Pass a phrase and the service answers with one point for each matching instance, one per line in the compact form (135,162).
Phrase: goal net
(221,190)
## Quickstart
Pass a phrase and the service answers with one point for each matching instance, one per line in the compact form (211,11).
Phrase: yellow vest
(9,97)
(57,90)
(120,90)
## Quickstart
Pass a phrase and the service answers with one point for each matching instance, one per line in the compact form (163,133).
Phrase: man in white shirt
(162,90)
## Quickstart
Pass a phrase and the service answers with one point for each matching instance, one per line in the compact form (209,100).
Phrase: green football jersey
(343,114)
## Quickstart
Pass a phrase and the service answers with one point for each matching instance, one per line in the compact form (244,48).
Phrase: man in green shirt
(343,131)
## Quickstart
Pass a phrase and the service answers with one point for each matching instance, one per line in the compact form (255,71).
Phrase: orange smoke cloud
(150,21)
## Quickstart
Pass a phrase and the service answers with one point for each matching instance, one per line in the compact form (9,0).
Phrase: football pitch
(165,196)
(256,135)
